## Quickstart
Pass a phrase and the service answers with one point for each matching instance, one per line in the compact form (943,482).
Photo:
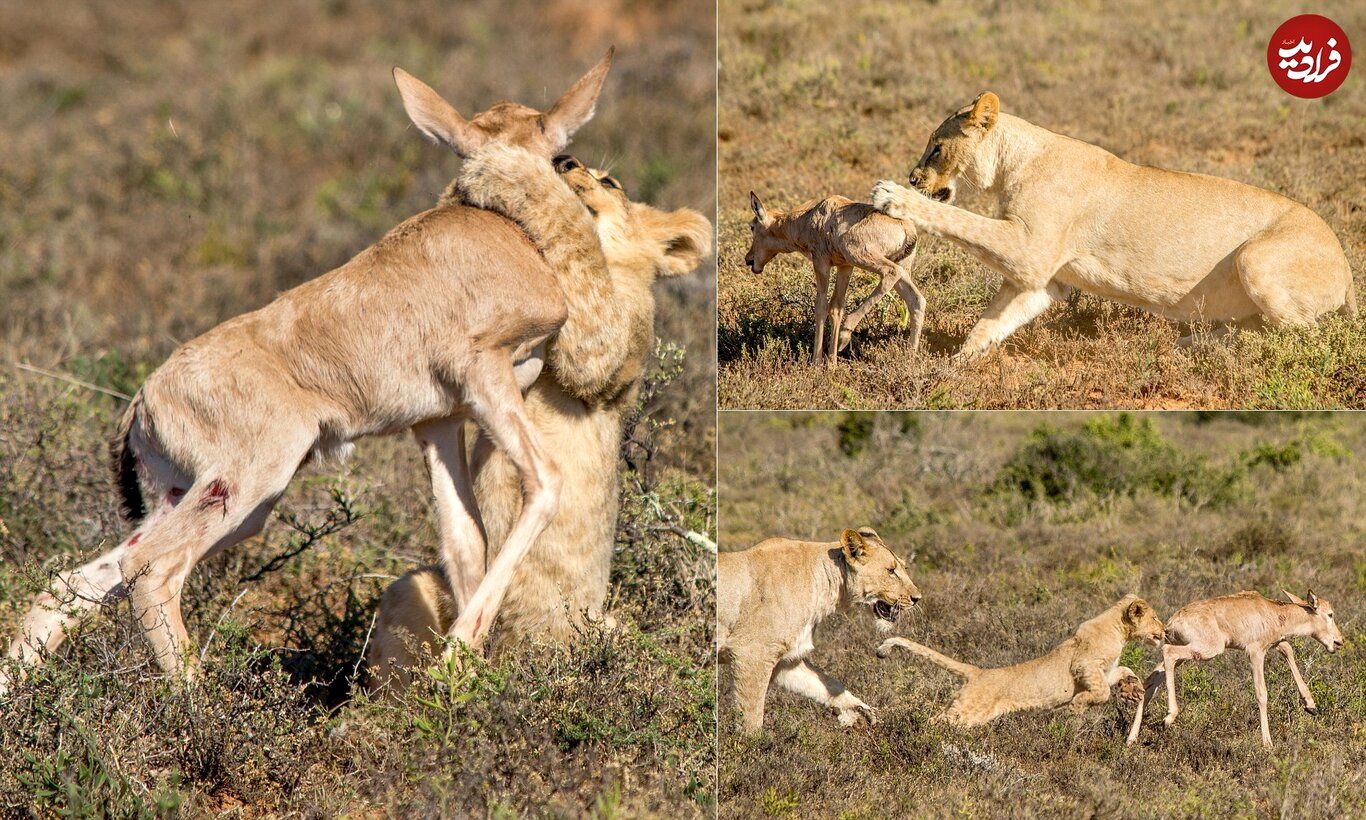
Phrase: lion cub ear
(855,548)
(683,236)
(985,109)
(1135,611)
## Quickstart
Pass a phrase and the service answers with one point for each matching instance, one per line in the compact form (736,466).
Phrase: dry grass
(1173,506)
(167,167)
(821,98)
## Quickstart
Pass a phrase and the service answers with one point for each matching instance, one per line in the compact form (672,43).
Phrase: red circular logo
(1309,56)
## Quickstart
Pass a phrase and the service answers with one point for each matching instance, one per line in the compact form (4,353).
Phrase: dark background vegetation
(169,165)
(1023,525)
(827,98)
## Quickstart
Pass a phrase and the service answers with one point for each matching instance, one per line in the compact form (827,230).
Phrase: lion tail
(963,670)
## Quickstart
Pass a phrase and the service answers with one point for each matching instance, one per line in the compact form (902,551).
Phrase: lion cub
(1080,671)
(772,596)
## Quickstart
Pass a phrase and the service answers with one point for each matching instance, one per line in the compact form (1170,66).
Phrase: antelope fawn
(1247,621)
(843,234)
(443,320)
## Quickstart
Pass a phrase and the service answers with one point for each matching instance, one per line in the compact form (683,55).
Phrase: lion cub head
(1141,622)
(637,238)
(952,147)
(875,576)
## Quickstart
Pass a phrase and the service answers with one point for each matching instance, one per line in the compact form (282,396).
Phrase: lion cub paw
(1130,689)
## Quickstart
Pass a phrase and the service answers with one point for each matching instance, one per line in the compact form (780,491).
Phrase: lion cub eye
(934,152)
(610,183)
(892,572)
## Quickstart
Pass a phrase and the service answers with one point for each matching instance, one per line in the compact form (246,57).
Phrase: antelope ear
(1297,600)
(759,212)
(435,118)
(855,548)
(985,110)
(1313,599)
(576,106)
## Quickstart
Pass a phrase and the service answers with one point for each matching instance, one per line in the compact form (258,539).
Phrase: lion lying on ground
(770,599)
(1079,672)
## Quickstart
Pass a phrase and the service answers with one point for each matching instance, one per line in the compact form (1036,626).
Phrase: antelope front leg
(1173,654)
(1258,659)
(1305,696)
(459,529)
(820,269)
(495,402)
(806,679)
(1155,680)
(839,339)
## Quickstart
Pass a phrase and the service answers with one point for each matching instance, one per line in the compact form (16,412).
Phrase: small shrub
(1111,456)
(1262,536)
(854,431)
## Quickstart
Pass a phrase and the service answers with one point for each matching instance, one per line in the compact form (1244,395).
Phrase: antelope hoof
(1311,708)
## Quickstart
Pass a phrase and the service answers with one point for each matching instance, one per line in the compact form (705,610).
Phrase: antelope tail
(125,465)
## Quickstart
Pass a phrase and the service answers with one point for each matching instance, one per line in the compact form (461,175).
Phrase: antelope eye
(892,572)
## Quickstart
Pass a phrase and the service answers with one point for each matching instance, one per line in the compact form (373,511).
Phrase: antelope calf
(843,234)
(1246,621)
(444,320)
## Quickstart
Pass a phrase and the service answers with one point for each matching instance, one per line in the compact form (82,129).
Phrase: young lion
(1069,214)
(773,595)
(564,577)
(1080,671)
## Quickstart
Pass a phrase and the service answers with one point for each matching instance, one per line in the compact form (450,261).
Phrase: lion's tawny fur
(1063,214)
(1079,671)
(442,321)
(563,581)
(586,352)
(772,596)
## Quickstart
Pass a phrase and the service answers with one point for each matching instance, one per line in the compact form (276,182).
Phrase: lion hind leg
(1291,279)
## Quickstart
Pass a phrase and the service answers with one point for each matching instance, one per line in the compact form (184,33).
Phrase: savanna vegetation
(1023,525)
(168,166)
(828,98)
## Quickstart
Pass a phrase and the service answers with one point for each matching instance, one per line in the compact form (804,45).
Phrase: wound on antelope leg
(215,495)
(136,537)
